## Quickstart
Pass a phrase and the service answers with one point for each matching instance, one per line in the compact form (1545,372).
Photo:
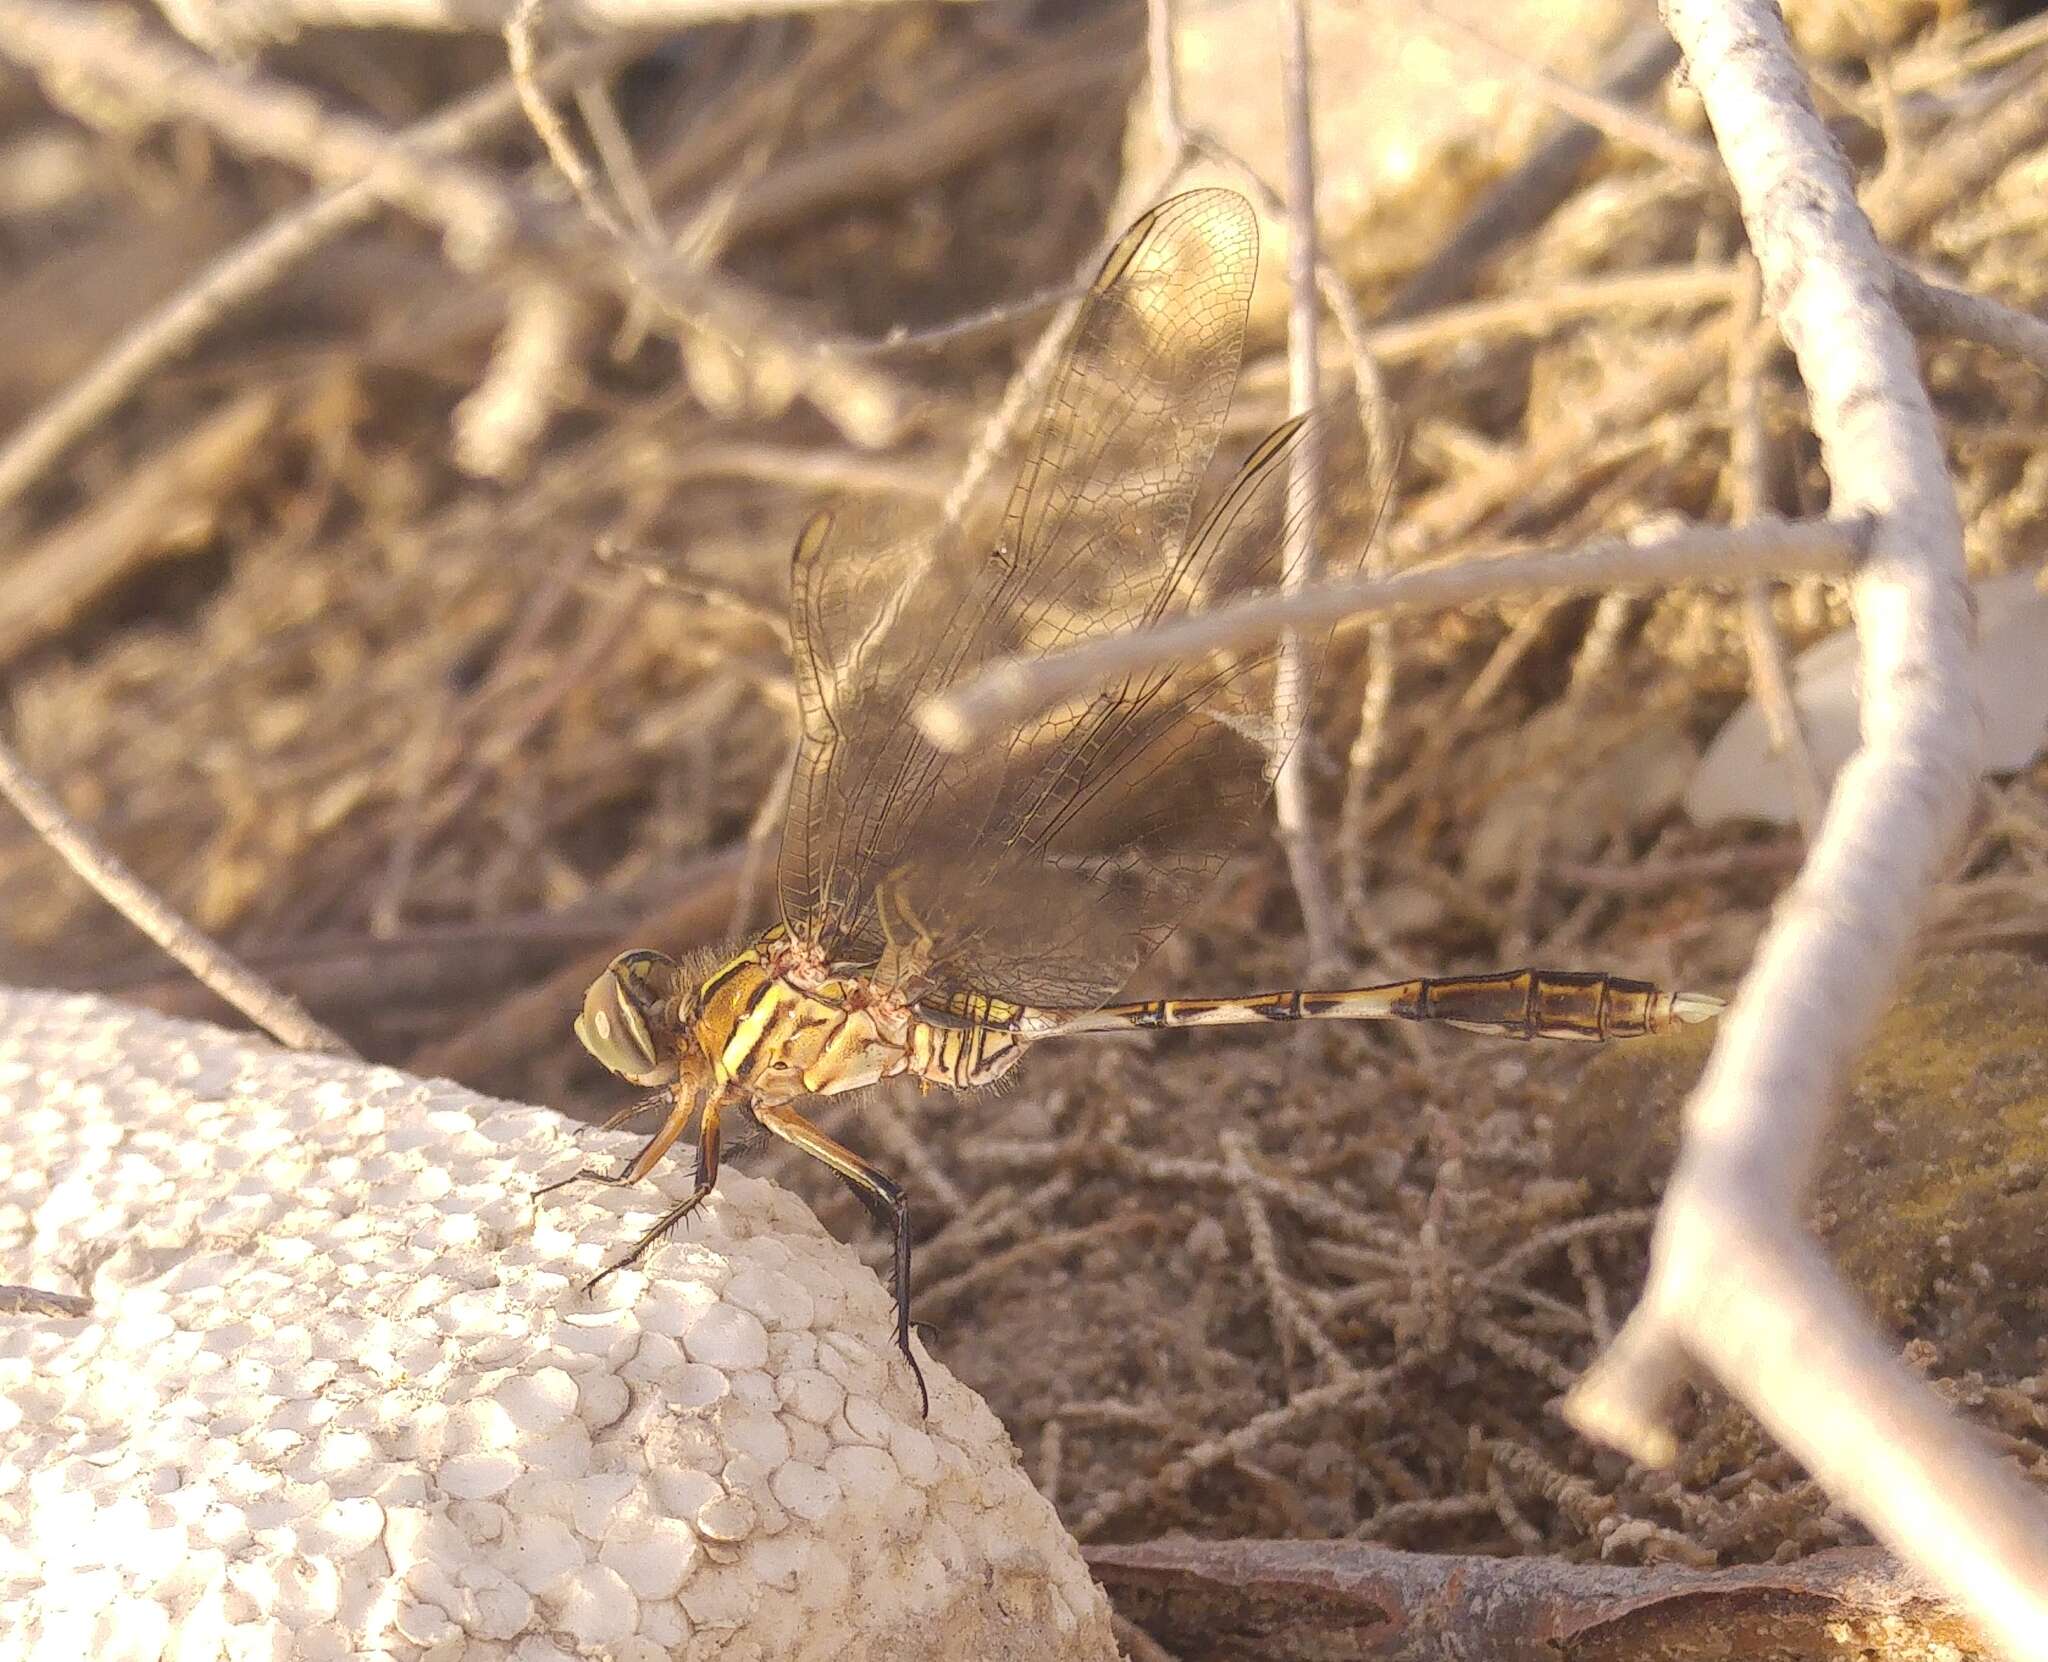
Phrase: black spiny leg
(707,1178)
(883,1200)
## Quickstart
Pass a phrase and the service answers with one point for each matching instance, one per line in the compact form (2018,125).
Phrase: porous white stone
(340,1392)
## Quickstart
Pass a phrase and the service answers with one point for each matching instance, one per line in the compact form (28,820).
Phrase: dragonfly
(942,913)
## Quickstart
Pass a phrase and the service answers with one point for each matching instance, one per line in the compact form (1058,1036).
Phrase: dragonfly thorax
(772,1024)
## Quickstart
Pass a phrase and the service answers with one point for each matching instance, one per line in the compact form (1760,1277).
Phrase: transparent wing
(1046,865)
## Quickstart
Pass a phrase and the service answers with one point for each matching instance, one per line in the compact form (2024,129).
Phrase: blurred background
(403,600)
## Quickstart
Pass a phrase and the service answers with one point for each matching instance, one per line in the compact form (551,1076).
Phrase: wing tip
(1211,205)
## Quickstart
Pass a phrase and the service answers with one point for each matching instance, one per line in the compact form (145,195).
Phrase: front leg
(680,1110)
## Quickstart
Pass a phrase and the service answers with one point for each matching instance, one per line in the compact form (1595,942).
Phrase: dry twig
(1750,498)
(236,27)
(1378,1604)
(1703,554)
(35,1301)
(248,992)
(1528,195)
(1605,112)
(110,49)
(243,272)
(1293,814)
(1935,308)
(482,218)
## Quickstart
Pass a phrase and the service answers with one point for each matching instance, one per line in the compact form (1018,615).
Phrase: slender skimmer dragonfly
(941,913)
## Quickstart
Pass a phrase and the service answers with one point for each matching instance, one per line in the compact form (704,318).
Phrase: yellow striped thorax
(772,1024)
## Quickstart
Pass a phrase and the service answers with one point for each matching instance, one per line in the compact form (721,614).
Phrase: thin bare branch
(1701,554)
(1935,309)
(1965,159)
(1380,1604)
(522,57)
(1531,193)
(1672,289)
(1293,814)
(35,1301)
(53,581)
(1600,110)
(111,49)
(1356,1392)
(1291,1316)
(248,992)
(1163,75)
(481,217)
(944,130)
(238,27)
(537,366)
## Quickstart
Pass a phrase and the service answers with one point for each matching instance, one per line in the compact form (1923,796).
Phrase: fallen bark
(1321,1601)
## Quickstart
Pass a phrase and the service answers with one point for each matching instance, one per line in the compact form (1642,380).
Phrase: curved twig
(247,269)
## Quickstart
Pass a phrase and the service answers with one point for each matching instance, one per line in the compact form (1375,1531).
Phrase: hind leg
(883,1199)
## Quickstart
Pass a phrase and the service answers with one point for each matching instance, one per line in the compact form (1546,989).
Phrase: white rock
(339,1396)
(595,1607)
(654,1561)
(727,1338)
(1741,776)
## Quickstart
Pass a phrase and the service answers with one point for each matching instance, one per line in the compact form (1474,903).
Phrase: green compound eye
(625,1014)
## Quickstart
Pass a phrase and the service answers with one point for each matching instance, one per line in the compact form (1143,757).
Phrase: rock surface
(340,1391)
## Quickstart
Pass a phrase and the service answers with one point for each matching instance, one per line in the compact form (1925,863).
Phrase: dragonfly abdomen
(976,1053)
(1518,1004)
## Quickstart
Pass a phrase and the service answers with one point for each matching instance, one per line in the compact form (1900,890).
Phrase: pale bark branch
(483,220)
(115,51)
(1017,687)
(1936,309)
(1770,677)
(236,27)
(1293,813)
(1611,116)
(1736,1285)
(1380,1604)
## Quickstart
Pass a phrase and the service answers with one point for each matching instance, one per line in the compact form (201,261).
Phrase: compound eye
(623,1018)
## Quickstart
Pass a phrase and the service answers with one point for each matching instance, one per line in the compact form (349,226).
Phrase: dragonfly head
(629,1020)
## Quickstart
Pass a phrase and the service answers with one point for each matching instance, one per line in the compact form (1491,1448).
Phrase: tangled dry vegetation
(326,631)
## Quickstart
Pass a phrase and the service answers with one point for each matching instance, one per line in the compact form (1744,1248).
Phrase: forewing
(1099,516)
(1043,866)
(875,598)
(1136,797)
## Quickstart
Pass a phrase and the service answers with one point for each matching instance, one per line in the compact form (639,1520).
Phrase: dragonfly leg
(633,1110)
(680,1110)
(707,1178)
(882,1198)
